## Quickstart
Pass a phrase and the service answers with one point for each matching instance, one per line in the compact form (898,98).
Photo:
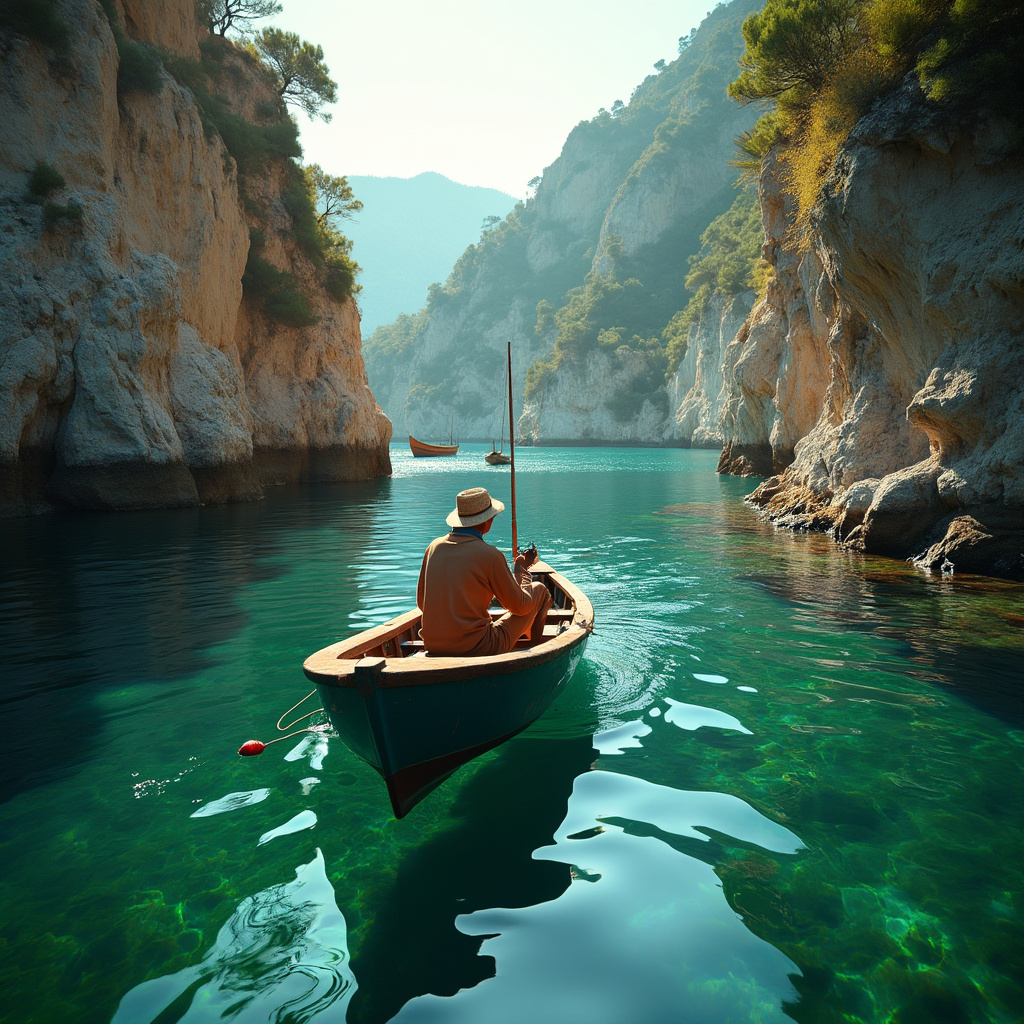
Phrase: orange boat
(423,450)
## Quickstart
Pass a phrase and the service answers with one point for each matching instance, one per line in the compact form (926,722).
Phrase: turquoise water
(785,783)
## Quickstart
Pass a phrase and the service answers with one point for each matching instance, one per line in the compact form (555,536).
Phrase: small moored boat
(495,457)
(423,450)
(416,718)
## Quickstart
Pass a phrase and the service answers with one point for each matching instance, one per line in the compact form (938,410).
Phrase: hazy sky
(482,91)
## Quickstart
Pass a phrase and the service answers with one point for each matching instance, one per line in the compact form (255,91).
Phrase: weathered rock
(986,542)
(913,297)
(776,368)
(125,368)
(580,407)
(697,389)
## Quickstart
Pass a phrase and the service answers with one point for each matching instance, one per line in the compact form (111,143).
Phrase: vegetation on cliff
(594,291)
(823,63)
(729,262)
(35,19)
(293,69)
(253,143)
(221,15)
(639,304)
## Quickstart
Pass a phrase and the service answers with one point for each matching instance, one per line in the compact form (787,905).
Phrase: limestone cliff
(697,392)
(626,200)
(133,371)
(882,377)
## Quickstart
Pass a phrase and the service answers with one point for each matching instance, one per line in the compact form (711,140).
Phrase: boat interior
(400,638)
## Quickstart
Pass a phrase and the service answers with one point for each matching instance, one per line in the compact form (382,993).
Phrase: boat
(496,456)
(416,718)
(424,450)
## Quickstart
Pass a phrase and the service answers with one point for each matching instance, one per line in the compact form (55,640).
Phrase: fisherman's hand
(526,558)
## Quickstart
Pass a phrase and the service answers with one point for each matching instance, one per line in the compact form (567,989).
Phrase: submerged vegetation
(823,63)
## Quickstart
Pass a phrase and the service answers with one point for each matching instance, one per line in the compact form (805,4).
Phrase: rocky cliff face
(697,391)
(133,372)
(880,380)
(629,195)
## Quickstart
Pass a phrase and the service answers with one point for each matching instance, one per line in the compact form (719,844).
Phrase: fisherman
(461,574)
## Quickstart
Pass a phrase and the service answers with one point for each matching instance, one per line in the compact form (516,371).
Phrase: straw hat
(472,507)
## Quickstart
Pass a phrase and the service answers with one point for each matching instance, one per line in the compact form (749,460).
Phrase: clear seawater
(785,784)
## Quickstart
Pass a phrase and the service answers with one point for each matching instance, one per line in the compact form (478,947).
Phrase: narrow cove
(785,783)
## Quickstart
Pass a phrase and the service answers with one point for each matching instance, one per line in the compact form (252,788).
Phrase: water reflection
(509,806)
(283,955)
(90,603)
(955,633)
(643,933)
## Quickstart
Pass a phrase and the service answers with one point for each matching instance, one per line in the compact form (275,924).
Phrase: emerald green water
(785,784)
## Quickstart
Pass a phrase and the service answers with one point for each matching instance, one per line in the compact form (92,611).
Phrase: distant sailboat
(496,456)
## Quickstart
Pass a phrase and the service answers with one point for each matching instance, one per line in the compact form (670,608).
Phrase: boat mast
(501,432)
(512,455)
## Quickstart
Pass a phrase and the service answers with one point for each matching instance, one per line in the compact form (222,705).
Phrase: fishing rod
(512,456)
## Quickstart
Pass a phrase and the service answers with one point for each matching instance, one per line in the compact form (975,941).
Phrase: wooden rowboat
(424,450)
(496,458)
(416,718)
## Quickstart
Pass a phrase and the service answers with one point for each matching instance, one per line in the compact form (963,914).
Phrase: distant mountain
(409,234)
(587,278)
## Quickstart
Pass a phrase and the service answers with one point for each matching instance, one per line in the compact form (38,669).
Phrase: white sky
(482,91)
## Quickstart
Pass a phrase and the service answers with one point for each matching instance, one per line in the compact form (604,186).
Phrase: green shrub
(730,252)
(251,145)
(35,19)
(390,341)
(43,180)
(140,68)
(976,57)
(825,62)
(298,201)
(190,73)
(277,293)
(54,212)
(340,279)
(213,50)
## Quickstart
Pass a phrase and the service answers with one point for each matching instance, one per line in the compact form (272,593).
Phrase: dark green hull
(417,734)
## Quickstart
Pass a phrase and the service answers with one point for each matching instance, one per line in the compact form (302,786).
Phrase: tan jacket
(460,576)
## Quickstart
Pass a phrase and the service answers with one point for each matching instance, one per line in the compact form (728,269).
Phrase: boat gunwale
(332,666)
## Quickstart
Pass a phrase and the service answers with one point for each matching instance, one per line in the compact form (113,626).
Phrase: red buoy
(251,748)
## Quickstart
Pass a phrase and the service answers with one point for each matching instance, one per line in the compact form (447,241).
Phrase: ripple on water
(231,802)
(292,937)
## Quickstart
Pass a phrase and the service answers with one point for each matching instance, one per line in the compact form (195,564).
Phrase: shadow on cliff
(90,602)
